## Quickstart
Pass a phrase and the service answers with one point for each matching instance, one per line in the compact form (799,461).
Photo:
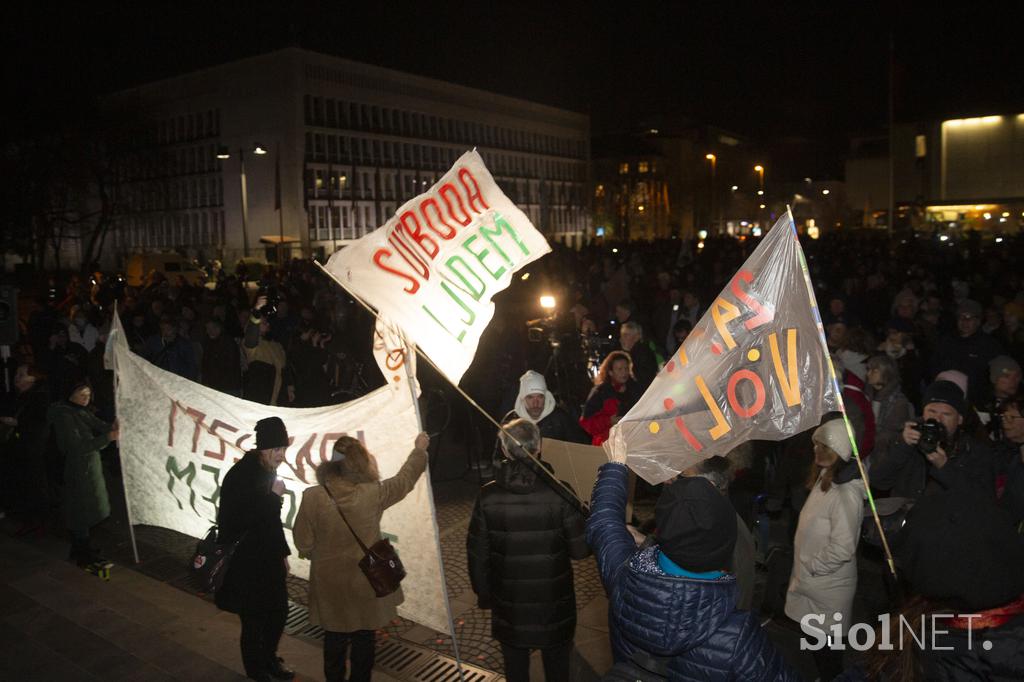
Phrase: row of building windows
(188,127)
(352,183)
(171,231)
(182,193)
(344,149)
(333,222)
(641,167)
(332,113)
(170,161)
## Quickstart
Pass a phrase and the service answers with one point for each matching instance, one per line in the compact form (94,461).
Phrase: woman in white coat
(824,576)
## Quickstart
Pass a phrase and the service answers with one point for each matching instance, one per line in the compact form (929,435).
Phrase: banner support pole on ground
(842,405)
(433,511)
(124,482)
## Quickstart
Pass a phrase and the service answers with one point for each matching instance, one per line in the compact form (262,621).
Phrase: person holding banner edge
(255,583)
(341,599)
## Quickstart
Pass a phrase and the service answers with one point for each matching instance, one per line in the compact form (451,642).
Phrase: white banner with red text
(178,440)
(433,268)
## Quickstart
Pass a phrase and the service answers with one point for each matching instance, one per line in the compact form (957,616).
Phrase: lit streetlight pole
(713,159)
(223,154)
(759,169)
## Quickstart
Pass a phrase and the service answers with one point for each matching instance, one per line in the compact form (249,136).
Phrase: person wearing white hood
(536,404)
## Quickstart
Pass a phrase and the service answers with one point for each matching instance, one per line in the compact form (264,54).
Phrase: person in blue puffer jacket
(673,605)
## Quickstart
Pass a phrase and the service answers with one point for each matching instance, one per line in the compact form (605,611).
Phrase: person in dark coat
(615,393)
(962,561)
(25,429)
(645,363)
(672,600)
(968,351)
(222,360)
(80,436)
(959,462)
(255,583)
(522,536)
(167,350)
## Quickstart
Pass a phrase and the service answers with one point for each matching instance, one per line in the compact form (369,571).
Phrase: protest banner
(754,367)
(433,267)
(179,439)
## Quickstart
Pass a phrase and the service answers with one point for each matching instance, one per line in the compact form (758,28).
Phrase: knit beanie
(1002,364)
(271,433)
(696,525)
(833,435)
(945,392)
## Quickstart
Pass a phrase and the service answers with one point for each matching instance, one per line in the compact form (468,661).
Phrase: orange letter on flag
(789,382)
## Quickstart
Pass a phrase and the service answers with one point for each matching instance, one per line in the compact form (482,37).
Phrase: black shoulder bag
(211,560)
(380,563)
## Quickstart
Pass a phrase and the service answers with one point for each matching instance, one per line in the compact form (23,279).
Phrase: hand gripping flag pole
(842,404)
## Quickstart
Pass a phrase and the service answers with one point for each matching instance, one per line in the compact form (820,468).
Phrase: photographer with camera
(935,453)
(266,358)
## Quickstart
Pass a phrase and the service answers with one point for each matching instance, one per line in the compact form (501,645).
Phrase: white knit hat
(833,435)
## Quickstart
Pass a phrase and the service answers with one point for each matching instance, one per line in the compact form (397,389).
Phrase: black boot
(278,671)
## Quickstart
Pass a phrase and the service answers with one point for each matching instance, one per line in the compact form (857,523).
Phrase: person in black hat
(255,583)
(946,458)
(962,560)
(672,605)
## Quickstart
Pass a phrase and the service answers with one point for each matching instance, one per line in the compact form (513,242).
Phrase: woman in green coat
(80,437)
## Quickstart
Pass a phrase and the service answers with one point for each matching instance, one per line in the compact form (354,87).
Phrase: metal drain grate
(297,624)
(398,658)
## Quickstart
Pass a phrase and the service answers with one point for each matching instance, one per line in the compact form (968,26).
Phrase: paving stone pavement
(166,554)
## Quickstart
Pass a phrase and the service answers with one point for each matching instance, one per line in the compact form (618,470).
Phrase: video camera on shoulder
(933,434)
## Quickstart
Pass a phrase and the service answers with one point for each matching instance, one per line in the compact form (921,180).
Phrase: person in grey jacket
(890,406)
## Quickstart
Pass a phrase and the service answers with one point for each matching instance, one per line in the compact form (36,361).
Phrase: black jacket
(905,472)
(222,364)
(249,509)
(521,539)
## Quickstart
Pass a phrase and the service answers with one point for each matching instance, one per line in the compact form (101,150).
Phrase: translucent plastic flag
(755,367)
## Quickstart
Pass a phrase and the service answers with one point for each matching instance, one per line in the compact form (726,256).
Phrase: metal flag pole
(559,487)
(408,349)
(839,396)
(124,469)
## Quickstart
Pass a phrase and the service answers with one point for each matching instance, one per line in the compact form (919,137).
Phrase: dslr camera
(933,434)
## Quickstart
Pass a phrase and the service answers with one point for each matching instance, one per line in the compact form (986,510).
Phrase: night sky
(799,81)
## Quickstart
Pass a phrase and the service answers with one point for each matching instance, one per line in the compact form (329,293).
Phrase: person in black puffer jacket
(670,605)
(522,536)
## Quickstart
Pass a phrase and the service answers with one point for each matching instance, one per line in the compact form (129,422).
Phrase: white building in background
(351,143)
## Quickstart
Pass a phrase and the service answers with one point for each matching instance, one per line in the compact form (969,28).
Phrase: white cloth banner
(433,268)
(178,440)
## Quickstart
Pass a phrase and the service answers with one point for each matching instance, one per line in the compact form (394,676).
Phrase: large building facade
(960,174)
(312,151)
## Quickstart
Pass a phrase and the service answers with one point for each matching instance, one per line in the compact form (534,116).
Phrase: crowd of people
(925,339)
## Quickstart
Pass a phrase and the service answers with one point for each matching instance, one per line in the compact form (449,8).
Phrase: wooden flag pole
(539,468)
(842,406)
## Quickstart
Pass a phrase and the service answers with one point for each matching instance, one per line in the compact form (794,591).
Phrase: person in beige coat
(824,576)
(341,600)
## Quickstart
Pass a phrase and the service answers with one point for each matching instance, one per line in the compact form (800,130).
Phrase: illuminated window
(623,168)
(642,167)
(599,192)
(921,146)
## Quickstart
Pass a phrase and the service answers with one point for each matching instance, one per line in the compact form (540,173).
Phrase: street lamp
(759,169)
(713,159)
(223,154)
